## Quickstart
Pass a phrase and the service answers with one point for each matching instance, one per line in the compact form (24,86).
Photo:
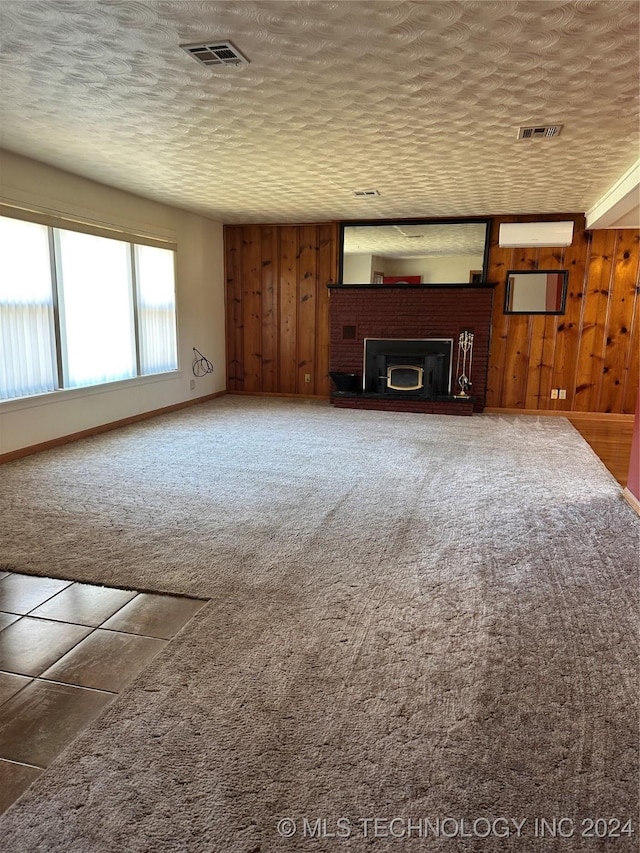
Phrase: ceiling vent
(216,54)
(547,131)
(365,193)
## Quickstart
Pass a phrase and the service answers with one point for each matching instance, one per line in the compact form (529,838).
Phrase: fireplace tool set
(463,366)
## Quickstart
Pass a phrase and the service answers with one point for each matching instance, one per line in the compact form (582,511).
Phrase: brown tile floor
(66,650)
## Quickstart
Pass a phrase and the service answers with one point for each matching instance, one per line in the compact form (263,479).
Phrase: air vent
(365,193)
(216,54)
(547,131)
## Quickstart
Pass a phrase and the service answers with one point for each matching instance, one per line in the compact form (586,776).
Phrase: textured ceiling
(419,100)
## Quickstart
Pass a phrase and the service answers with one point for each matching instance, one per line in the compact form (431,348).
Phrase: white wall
(356,269)
(437,270)
(200,303)
(379,264)
(530,293)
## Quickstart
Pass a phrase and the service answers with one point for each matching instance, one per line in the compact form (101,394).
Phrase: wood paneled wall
(278,306)
(278,317)
(592,349)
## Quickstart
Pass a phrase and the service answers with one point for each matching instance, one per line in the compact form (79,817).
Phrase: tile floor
(66,650)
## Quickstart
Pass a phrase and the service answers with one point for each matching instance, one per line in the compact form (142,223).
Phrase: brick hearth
(409,311)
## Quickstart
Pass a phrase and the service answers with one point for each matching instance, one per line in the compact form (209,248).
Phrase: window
(78,309)
(156,309)
(27,343)
(96,313)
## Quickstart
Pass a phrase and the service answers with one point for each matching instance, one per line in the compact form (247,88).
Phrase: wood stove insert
(420,369)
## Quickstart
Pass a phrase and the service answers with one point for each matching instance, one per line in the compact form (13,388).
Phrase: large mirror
(414,252)
(536,292)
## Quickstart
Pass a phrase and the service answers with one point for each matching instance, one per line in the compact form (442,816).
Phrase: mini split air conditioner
(516,235)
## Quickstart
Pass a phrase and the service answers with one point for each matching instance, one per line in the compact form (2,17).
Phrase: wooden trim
(289,394)
(632,500)
(610,417)
(87,433)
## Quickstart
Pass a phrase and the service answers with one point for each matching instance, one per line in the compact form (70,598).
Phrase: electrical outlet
(562,394)
(307,377)
(192,385)
(554,393)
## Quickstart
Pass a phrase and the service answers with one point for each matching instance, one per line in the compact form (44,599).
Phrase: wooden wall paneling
(277,310)
(631,380)
(550,337)
(252,307)
(277,317)
(617,355)
(499,264)
(328,236)
(307,295)
(516,363)
(269,272)
(629,403)
(525,259)
(568,326)
(535,346)
(519,373)
(288,329)
(543,336)
(594,321)
(234,321)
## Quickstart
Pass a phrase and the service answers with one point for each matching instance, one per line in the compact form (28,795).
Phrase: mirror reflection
(536,292)
(414,252)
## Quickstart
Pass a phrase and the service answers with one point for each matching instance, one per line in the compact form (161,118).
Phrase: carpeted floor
(426,618)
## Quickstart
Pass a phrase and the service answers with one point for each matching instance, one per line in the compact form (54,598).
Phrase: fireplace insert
(408,367)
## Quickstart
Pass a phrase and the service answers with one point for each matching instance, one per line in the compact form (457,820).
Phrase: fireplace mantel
(410,311)
(429,286)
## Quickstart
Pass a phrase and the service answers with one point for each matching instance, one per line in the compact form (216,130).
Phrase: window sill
(64,394)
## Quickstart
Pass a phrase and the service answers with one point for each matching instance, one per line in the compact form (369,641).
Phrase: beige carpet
(421,618)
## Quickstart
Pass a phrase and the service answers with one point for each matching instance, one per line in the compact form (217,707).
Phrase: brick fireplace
(411,313)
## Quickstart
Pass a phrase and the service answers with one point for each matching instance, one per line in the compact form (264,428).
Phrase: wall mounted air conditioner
(517,235)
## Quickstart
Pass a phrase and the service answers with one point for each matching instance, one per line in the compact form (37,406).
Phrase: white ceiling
(419,100)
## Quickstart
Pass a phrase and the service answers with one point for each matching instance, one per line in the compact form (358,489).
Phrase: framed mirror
(414,251)
(536,292)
